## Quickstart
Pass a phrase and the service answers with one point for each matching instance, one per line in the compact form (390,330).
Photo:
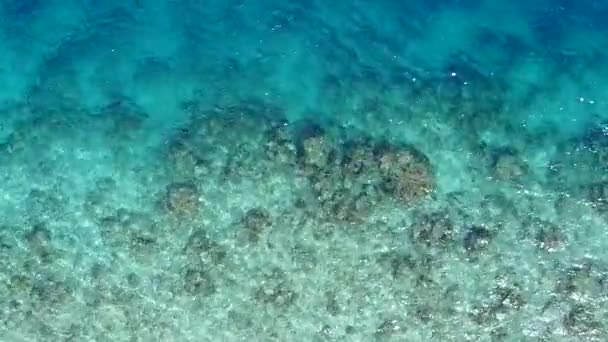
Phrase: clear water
(303,170)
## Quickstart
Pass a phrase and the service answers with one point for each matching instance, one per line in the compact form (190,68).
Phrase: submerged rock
(359,158)
(406,173)
(134,232)
(275,290)
(183,159)
(504,300)
(125,117)
(581,321)
(316,152)
(477,239)
(49,290)
(182,198)
(508,166)
(584,280)
(595,140)
(198,282)
(432,229)
(39,242)
(279,296)
(256,221)
(597,193)
(548,236)
(39,236)
(280,145)
(389,330)
(44,205)
(580,166)
(200,247)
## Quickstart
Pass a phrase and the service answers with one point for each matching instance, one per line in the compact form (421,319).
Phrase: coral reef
(349,183)
(303,171)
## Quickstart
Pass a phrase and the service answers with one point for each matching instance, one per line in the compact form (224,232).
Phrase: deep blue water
(303,170)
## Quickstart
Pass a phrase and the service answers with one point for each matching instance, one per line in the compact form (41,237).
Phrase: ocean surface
(303,170)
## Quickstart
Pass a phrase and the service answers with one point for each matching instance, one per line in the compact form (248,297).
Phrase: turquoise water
(303,170)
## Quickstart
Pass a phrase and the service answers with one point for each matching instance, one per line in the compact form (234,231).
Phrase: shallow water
(303,171)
